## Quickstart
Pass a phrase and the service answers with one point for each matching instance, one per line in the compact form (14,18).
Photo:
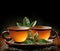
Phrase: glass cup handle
(5,33)
(54,34)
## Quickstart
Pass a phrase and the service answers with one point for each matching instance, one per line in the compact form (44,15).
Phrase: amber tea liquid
(18,34)
(43,33)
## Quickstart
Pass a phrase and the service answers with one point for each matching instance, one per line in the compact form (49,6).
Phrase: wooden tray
(11,43)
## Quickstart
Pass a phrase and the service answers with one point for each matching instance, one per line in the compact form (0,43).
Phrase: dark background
(9,17)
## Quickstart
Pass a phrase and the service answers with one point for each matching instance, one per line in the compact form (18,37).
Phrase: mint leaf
(28,42)
(42,41)
(26,22)
(33,23)
(36,36)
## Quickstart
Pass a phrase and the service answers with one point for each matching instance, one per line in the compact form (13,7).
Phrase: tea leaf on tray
(26,22)
(42,41)
(28,42)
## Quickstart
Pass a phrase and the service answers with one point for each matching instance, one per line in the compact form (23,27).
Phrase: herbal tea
(18,34)
(43,32)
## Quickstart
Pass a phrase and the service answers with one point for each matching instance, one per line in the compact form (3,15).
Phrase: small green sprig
(34,39)
(26,22)
(31,39)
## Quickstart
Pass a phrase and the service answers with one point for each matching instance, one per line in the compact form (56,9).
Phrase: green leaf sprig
(31,40)
(26,22)
(34,40)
